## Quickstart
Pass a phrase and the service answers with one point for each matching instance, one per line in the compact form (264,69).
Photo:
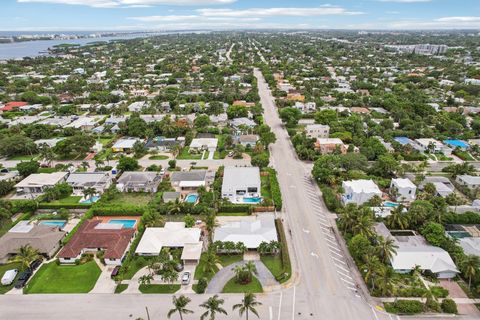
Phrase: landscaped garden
(54,278)
(159,288)
(232,286)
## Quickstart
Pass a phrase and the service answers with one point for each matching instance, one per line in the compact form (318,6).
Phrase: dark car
(115,272)
(23,278)
(35,264)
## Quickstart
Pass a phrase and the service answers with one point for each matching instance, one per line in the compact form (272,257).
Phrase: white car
(9,276)
(186,277)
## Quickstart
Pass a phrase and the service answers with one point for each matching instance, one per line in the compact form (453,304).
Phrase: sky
(119,15)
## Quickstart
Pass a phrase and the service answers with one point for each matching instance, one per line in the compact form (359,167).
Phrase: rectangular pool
(55,223)
(252,200)
(127,224)
(191,198)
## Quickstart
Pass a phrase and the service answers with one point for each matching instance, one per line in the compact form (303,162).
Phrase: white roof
(41,179)
(329,141)
(469,179)
(173,234)
(240,176)
(207,142)
(426,257)
(250,231)
(361,186)
(192,251)
(125,143)
(403,183)
(191,184)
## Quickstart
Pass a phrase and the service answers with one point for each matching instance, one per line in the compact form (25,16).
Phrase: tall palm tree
(469,266)
(210,224)
(347,218)
(386,248)
(213,306)
(210,262)
(364,226)
(89,192)
(251,269)
(180,305)
(26,255)
(385,284)
(371,268)
(397,219)
(249,302)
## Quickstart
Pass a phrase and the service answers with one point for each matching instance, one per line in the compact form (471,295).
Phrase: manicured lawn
(53,278)
(24,157)
(133,267)
(185,155)
(226,260)
(68,200)
(136,198)
(46,170)
(199,270)
(273,263)
(252,287)
(159,288)
(121,287)
(4,268)
(158,157)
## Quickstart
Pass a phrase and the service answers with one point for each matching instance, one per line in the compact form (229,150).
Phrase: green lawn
(136,198)
(133,267)
(4,268)
(158,157)
(121,287)
(53,278)
(226,260)
(265,187)
(159,288)
(185,155)
(199,270)
(252,287)
(46,170)
(68,200)
(24,157)
(273,263)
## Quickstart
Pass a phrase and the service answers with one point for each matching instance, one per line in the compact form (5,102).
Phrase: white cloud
(405,1)
(459,19)
(131,3)
(269,12)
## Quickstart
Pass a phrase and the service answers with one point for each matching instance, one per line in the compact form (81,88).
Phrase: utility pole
(148,314)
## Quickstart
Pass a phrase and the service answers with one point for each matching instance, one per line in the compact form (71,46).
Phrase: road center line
(280,305)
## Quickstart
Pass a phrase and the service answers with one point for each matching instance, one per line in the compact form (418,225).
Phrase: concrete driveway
(224,275)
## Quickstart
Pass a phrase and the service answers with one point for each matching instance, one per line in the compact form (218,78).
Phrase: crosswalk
(335,252)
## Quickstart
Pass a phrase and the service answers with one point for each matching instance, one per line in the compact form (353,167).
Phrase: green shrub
(330,198)
(275,188)
(439,292)
(449,306)
(202,285)
(117,210)
(287,267)
(23,206)
(234,208)
(463,218)
(404,307)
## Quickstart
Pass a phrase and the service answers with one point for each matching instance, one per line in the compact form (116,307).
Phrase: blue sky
(57,15)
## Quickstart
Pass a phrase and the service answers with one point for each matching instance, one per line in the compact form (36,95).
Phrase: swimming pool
(456,143)
(459,234)
(90,200)
(55,223)
(252,200)
(127,224)
(390,204)
(191,198)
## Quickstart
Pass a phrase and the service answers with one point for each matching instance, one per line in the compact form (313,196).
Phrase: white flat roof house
(359,191)
(82,180)
(471,182)
(172,235)
(37,182)
(405,189)
(317,131)
(250,230)
(428,144)
(125,144)
(188,180)
(241,182)
(209,144)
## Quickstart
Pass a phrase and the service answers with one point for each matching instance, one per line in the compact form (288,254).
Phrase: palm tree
(371,269)
(385,284)
(347,218)
(386,248)
(179,304)
(210,224)
(89,192)
(250,269)
(249,302)
(210,262)
(364,226)
(213,306)
(397,219)
(26,255)
(470,266)
(145,279)
(85,165)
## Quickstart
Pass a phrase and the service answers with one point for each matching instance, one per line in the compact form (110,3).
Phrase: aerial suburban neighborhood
(213,174)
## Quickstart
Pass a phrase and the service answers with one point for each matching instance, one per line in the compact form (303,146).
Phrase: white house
(199,144)
(37,182)
(359,191)
(471,182)
(317,131)
(250,230)
(240,183)
(432,145)
(404,189)
(82,180)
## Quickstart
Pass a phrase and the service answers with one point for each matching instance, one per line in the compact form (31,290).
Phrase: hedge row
(286,265)
(275,189)
(235,208)
(63,206)
(330,198)
(404,307)
(117,210)
(462,218)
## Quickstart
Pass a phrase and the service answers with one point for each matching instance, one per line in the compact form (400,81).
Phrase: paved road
(224,275)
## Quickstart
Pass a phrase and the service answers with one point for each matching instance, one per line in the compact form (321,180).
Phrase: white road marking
(342,274)
(293,304)
(313,254)
(325,225)
(346,281)
(292,186)
(352,288)
(306,231)
(343,268)
(338,254)
(280,305)
(332,241)
(374,313)
(334,248)
(271,312)
(341,261)
(357,296)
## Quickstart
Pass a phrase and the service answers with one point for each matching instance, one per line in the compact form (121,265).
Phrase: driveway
(104,284)
(224,275)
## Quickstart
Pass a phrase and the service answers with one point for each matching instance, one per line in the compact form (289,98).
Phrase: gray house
(133,181)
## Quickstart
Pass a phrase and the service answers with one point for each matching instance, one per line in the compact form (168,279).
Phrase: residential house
(171,196)
(403,189)
(83,180)
(172,235)
(432,145)
(240,183)
(200,144)
(359,191)
(188,180)
(315,131)
(471,182)
(139,181)
(94,235)
(125,144)
(163,144)
(84,122)
(251,231)
(330,145)
(45,238)
(137,106)
(36,183)
(248,140)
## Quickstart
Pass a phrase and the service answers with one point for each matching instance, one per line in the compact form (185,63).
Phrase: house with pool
(188,181)
(44,237)
(403,189)
(84,180)
(139,181)
(113,235)
(35,184)
(242,185)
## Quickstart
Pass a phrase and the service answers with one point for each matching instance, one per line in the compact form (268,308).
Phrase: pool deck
(106,219)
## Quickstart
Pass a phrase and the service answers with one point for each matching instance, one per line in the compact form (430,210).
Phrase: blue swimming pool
(90,200)
(127,224)
(390,204)
(55,223)
(456,143)
(252,200)
(191,198)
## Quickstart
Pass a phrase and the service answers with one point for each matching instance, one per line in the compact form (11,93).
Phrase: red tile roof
(13,104)
(113,241)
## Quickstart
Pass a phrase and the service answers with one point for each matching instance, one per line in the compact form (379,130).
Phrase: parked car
(231,153)
(35,264)
(9,276)
(115,272)
(186,277)
(23,278)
